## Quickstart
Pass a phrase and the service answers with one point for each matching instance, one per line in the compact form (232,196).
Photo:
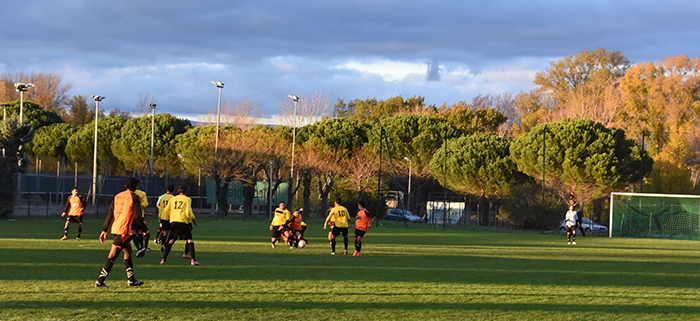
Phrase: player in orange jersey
(74,209)
(296,228)
(363,221)
(124,214)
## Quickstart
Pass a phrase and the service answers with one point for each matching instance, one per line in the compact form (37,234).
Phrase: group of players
(290,227)
(126,218)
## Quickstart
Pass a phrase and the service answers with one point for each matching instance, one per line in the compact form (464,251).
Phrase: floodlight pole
(641,158)
(94,153)
(4,120)
(183,167)
(379,176)
(444,200)
(410,169)
(153,130)
(544,155)
(294,138)
(294,134)
(269,189)
(21,88)
(219,85)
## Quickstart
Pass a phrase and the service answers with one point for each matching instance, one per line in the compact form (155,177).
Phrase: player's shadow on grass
(310,302)
(291,265)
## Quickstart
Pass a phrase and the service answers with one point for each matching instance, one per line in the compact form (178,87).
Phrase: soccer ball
(301,244)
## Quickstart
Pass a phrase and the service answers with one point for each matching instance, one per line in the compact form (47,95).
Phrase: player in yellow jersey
(342,222)
(141,234)
(164,225)
(282,215)
(124,213)
(179,213)
(74,209)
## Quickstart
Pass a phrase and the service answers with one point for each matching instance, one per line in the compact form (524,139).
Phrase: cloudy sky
(446,51)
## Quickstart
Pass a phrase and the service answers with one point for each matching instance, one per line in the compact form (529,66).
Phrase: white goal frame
(612,197)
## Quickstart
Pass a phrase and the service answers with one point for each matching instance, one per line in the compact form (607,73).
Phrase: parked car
(587,226)
(396,214)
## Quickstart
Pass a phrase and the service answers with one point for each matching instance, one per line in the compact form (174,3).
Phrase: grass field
(403,274)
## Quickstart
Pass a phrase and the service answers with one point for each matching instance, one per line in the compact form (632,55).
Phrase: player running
(342,221)
(277,225)
(74,208)
(124,213)
(179,213)
(140,235)
(164,225)
(363,221)
(571,217)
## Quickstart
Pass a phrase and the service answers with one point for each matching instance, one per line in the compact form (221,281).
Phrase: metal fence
(46,194)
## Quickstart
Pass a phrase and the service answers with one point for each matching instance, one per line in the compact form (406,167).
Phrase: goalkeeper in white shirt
(571,217)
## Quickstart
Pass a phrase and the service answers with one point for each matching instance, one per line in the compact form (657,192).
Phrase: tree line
(581,128)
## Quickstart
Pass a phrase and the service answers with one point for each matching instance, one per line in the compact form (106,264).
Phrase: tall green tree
(470,120)
(133,147)
(242,156)
(372,110)
(80,111)
(13,140)
(81,145)
(36,115)
(417,137)
(477,164)
(583,158)
(331,141)
(585,67)
(51,140)
(343,135)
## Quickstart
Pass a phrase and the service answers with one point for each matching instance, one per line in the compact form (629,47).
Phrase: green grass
(404,274)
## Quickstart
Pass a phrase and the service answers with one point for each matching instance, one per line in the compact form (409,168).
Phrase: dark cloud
(433,73)
(265,50)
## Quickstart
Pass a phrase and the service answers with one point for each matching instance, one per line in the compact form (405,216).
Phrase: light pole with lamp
(97,99)
(153,130)
(294,138)
(4,119)
(21,88)
(4,112)
(269,189)
(219,85)
(410,169)
(183,167)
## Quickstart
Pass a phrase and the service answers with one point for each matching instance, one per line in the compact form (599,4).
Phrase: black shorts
(164,225)
(74,219)
(144,230)
(570,229)
(360,232)
(190,227)
(180,229)
(118,241)
(276,231)
(339,230)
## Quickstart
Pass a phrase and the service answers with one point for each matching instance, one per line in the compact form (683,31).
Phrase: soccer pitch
(403,274)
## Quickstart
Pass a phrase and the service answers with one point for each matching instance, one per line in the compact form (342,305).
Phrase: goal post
(647,215)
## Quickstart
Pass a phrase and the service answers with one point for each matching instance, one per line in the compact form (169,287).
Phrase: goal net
(654,215)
